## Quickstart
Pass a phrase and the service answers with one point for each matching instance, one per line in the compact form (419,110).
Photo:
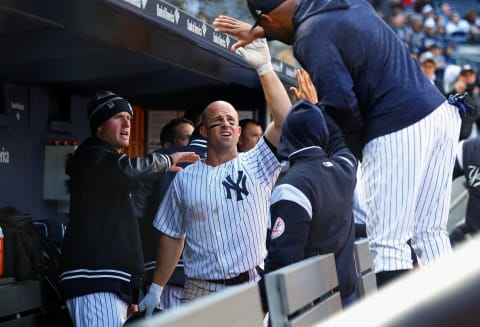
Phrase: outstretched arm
(257,55)
(238,29)
(278,104)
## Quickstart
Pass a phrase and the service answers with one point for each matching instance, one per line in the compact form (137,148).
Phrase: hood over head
(303,127)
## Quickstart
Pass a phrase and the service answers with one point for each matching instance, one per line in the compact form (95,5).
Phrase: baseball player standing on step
(218,209)
(389,112)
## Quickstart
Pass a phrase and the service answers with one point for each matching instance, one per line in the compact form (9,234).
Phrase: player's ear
(266,18)
(202,131)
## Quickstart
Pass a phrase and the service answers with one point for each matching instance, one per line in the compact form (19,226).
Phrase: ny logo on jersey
(473,175)
(231,185)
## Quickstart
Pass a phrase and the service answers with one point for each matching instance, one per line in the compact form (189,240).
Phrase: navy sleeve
(289,234)
(457,171)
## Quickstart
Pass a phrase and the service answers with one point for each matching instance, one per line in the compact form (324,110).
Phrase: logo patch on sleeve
(278,228)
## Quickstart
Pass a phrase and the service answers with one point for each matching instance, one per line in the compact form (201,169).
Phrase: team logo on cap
(278,228)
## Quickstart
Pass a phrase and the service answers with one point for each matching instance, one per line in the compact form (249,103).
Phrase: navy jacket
(363,72)
(311,206)
(102,250)
(471,171)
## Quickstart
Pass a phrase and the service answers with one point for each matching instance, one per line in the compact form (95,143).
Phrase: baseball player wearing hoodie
(311,206)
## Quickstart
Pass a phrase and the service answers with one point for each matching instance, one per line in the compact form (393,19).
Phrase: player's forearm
(278,103)
(168,253)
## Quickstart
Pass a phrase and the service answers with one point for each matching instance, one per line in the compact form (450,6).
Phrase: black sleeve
(457,171)
(272,148)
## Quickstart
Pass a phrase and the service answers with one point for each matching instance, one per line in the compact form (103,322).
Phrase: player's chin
(124,143)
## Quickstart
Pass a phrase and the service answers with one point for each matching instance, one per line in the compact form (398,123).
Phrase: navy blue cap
(259,7)
(103,106)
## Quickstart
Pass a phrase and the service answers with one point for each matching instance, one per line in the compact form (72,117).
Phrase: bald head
(215,107)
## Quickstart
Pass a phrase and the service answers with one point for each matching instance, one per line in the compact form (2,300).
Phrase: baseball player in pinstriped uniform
(388,110)
(218,208)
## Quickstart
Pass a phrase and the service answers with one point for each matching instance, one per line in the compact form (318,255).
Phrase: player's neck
(216,159)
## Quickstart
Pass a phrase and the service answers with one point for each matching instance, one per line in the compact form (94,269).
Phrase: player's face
(221,127)
(116,131)
(250,136)
(277,32)
(182,134)
(277,25)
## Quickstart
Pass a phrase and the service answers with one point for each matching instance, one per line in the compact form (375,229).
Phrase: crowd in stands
(431,27)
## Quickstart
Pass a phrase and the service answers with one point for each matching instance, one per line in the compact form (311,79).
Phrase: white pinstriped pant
(171,297)
(102,309)
(407,178)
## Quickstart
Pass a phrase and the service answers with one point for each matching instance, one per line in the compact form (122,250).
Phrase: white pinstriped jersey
(223,212)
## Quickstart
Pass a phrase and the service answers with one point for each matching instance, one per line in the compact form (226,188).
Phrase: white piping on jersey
(291,193)
(100,273)
(303,149)
(347,160)
(199,143)
(459,152)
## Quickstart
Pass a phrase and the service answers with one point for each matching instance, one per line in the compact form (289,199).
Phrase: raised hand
(238,29)
(257,55)
(306,89)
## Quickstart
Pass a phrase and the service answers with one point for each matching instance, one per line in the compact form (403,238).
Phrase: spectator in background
(449,54)
(450,76)
(176,132)
(101,261)
(440,61)
(466,82)
(416,40)
(471,16)
(430,36)
(457,29)
(428,65)
(428,11)
(399,24)
(445,12)
(251,134)
(423,6)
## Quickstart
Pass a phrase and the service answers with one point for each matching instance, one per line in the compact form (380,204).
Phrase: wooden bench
(236,306)
(303,293)
(367,282)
